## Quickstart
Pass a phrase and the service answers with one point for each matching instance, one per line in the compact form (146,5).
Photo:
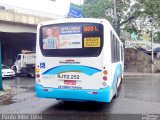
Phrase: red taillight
(37,75)
(105,78)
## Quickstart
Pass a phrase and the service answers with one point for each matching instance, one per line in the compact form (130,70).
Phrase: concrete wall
(21,18)
(16,27)
(18,22)
(138,61)
(17,33)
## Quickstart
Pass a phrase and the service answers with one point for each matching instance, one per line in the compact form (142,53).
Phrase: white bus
(78,60)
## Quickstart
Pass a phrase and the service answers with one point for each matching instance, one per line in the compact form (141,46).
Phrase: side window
(118,51)
(18,57)
(115,48)
(122,53)
(112,47)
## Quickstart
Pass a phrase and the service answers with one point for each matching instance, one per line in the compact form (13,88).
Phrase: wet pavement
(137,95)
(20,82)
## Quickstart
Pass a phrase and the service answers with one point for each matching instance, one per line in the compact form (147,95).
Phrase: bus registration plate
(68,76)
(70,82)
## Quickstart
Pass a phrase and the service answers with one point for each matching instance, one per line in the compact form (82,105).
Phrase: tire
(119,80)
(15,69)
(31,75)
(116,93)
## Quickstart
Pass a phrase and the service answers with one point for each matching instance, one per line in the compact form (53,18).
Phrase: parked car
(7,72)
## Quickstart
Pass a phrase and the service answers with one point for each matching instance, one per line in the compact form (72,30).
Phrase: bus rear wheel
(117,87)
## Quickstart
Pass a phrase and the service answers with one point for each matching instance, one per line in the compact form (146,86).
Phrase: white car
(7,72)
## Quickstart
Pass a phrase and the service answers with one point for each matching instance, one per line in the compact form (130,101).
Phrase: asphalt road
(137,95)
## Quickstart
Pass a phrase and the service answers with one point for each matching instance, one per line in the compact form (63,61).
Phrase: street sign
(75,11)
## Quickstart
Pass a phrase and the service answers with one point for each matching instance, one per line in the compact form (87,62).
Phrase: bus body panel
(90,69)
(101,95)
(89,72)
(115,69)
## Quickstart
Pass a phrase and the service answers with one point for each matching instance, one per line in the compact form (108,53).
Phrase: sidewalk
(131,74)
(8,93)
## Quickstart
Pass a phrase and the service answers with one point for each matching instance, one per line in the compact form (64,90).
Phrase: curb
(8,93)
(5,95)
(128,74)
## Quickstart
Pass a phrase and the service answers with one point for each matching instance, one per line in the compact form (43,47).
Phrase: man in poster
(52,41)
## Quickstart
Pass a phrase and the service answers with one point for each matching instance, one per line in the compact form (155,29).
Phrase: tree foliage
(97,9)
(133,15)
(104,9)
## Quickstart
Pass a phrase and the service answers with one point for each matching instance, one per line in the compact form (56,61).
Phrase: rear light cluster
(38,74)
(104,78)
(105,73)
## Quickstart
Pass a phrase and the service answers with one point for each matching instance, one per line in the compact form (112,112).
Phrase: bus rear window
(71,39)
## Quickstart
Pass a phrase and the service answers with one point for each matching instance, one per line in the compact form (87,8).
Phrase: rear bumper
(103,95)
(8,75)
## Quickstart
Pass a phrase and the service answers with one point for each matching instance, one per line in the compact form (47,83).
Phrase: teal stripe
(69,68)
(118,73)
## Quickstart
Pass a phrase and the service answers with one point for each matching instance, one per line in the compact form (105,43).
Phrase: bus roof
(68,20)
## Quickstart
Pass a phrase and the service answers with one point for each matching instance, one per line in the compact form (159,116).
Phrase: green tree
(97,9)
(104,9)
(133,15)
(147,17)
(157,37)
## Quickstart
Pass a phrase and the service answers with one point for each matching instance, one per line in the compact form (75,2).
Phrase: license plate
(68,76)
(70,82)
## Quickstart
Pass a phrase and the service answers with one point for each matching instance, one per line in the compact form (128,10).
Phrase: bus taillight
(37,70)
(38,81)
(37,75)
(104,84)
(105,72)
(104,78)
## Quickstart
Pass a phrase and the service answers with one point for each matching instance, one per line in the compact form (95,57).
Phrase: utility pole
(152,35)
(1,86)
(152,52)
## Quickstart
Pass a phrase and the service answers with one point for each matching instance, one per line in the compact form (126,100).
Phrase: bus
(78,59)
